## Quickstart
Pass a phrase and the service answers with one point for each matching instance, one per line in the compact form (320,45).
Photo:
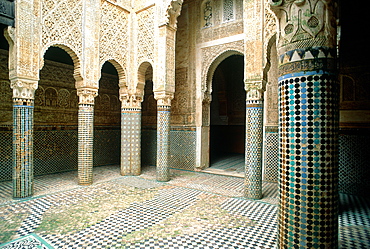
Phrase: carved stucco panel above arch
(145,31)
(113,33)
(209,55)
(62,23)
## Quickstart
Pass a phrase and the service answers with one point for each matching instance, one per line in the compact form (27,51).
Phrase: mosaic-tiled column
(163,135)
(85,135)
(131,135)
(253,140)
(23,106)
(308,124)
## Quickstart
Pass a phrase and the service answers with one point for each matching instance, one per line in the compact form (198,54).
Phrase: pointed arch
(76,60)
(214,64)
(144,72)
(122,76)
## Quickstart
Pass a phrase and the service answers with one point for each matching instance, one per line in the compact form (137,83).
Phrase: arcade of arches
(177,83)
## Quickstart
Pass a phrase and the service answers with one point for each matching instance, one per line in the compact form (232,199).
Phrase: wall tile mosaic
(354,171)
(182,149)
(271,158)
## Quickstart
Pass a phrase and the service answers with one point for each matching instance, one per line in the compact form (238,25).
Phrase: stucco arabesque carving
(304,23)
(62,23)
(270,29)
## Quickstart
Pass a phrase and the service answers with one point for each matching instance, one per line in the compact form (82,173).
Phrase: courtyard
(192,210)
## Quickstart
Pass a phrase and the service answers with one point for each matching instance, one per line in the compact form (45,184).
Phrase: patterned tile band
(308,130)
(253,149)
(85,143)
(23,150)
(163,131)
(130,141)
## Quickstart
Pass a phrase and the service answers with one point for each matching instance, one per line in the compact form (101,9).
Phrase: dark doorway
(227,133)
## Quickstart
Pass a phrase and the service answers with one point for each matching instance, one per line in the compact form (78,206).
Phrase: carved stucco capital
(23,88)
(131,100)
(255,89)
(305,23)
(163,98)
(172,12)
(87,95)
(206,97)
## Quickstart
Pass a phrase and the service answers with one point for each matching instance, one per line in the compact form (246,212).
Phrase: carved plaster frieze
(23,88)
(304,23)
(87,95)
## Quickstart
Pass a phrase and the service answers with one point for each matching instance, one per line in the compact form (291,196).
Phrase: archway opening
(55,116)
(227,120)
(149,120)
(6,110)
(107,119)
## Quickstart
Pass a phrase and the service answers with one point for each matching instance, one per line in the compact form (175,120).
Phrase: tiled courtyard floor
(192,210)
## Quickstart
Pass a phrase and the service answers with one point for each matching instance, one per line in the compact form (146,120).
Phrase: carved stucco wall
(194,42)
(6,106)
(62,24)
(114,34)
(145,35)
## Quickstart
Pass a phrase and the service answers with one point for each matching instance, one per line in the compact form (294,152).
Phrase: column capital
(304,23)
(163,98)
(131,100)
(172,12)
(255,89)
(23,88)
(87,95)
(206,97)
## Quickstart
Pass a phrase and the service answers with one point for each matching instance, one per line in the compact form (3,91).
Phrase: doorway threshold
(223,172)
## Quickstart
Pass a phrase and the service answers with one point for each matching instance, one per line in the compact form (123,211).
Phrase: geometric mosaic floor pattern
(192,210)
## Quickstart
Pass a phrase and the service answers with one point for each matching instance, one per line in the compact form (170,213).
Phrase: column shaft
(85,143)
(22,148)
(308,210)
(130,141)
(163,131)
(136,143)
(308,124)
(253,149)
